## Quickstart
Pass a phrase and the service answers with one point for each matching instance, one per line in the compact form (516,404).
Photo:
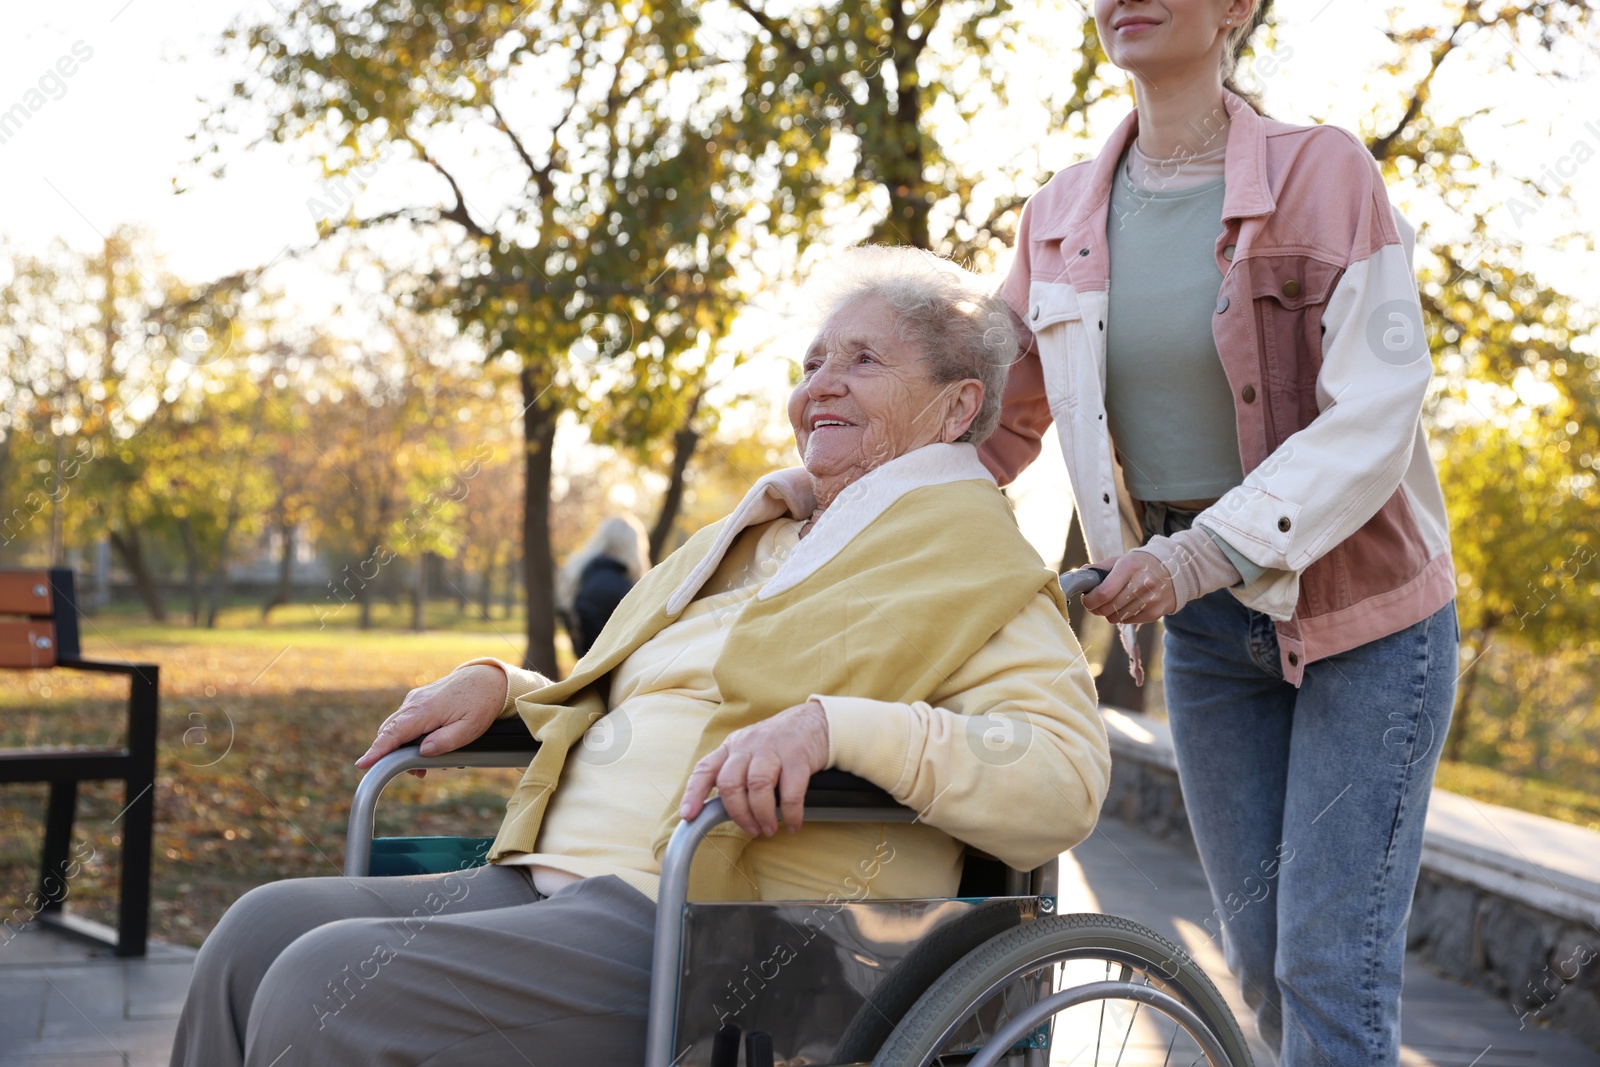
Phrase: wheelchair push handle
(1080,581)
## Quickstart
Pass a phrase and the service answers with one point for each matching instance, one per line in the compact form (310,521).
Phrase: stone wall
(1485,912)
(1546,967)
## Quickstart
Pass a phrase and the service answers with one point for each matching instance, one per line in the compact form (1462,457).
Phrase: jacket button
(1249,394)
(1083,251)
(1227,253)
(1035,315)
(1291,288)
(1294,660)
(1283,524)
(1222,305)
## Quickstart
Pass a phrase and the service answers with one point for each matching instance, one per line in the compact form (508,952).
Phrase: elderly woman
(877,611)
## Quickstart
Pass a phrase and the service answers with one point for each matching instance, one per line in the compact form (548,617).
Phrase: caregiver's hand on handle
(1138,589)
(446,714)
(763,769)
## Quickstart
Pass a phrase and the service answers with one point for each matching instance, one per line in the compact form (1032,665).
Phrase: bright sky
(102,144)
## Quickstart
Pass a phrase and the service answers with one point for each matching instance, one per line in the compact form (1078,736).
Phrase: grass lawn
(259,726)
(1525,794)
(258,730)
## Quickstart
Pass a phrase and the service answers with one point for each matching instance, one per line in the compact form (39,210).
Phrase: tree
(96,346)
(208,452)
(1524,487)
(393,467)
(490,521)
(868,108)
(1519,476)
(609,244)
(290,466)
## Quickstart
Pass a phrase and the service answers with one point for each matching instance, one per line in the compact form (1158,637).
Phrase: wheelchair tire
(999,962)
(932,958)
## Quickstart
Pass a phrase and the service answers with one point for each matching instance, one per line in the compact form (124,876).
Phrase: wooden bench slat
(27,644)
(26,593)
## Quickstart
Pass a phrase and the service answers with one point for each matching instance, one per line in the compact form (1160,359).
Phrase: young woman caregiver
(1225,330)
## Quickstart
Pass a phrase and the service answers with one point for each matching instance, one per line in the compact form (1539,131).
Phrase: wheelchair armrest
(841,789)
(503,735)
(506,743)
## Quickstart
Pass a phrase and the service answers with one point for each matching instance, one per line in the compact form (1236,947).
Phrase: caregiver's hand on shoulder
(446,713)
(761,766)
(1138,589)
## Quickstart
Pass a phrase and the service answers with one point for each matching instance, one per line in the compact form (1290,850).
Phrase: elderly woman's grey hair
(963,327)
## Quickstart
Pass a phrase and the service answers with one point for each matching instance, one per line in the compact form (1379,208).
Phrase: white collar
(790,492)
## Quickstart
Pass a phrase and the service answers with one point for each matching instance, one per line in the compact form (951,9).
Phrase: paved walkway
(64,1004)
(1443,1024)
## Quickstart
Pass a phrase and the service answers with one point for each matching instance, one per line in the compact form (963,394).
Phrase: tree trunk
(102,578)
(58,547)
(903,173)
(419,596)
(538,564)
(1468,682)
(219,586)
(280,595)
(5,483)
(486,593)
(364,586)
(132,553)
(191,569)
(1115,684)
(460,585)
(1073,556)
(684,442)
(219,577)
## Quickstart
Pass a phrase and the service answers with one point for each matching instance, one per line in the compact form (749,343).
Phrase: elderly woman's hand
(760,765)
(1138,589)
(446,714)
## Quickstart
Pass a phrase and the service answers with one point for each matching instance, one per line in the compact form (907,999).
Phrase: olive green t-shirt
(1167,399)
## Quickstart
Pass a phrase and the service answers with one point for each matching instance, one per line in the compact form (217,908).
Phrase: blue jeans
(1307,806)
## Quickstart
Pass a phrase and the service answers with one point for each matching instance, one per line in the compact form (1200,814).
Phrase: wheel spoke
(1098,1030)
(1167,1059)
(1128,1032)
(1064,953)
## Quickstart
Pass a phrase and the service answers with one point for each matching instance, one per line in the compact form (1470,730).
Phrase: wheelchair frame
(834,796)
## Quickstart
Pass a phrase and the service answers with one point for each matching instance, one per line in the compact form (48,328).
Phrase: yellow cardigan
(907,583)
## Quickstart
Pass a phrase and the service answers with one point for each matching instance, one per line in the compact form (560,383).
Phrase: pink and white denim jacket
(1321,338)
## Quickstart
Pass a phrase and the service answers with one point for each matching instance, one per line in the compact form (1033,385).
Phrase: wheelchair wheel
(1141,999)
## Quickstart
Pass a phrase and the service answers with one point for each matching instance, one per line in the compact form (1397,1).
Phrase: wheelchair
(991,976)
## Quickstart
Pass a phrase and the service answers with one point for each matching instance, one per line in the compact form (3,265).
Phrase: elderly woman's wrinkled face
(865,395)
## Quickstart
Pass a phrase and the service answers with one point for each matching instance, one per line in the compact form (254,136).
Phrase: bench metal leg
(139,816)
(57,843)
(133,901)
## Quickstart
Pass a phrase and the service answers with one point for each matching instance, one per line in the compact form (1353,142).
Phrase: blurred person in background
(597,577)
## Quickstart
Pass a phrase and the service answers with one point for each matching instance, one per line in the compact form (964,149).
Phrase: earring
(1227,22)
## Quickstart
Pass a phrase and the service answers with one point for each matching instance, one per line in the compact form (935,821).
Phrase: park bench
(39,631)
